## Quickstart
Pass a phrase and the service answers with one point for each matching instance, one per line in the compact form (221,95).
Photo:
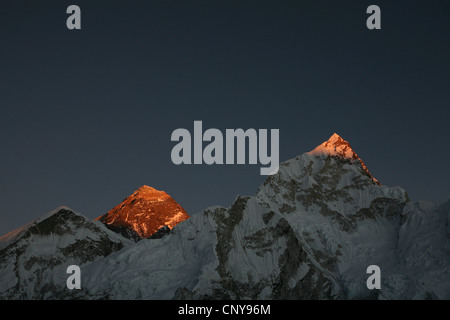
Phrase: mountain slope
(339,148)
(143,213)
(35,257)
(309,232)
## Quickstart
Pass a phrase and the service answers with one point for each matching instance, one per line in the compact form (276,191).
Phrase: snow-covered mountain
(309,232)
(338,147)
(35,257)
(143,213)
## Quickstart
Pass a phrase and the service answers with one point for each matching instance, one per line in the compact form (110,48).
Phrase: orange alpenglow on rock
(143,213)
(338,147)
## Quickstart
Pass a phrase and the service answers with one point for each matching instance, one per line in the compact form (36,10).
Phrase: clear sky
(86,115)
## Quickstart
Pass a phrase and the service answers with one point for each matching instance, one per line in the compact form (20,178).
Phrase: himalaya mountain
(143,213)
(309,232)
(34,258)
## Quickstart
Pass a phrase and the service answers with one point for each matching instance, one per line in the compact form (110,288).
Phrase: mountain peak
(144,212)
(145,187)
(54,213)
(335,136)
(338,147)
(335,146)
(149,193)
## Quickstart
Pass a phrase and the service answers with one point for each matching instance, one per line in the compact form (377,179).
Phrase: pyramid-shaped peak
(336,138)
(146,188)
(335,146)
(55,221)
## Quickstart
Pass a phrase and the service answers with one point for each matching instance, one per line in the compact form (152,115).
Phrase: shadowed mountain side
(143,213)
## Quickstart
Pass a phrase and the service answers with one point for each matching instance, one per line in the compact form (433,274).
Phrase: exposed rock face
(143,213)
(339,148)
(309,232)
(160,233)
(34,258)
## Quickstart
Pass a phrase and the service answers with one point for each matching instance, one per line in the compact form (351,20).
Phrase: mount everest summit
(143,213)
(309,232)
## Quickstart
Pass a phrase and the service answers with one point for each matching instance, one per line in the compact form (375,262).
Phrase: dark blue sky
(87,115)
